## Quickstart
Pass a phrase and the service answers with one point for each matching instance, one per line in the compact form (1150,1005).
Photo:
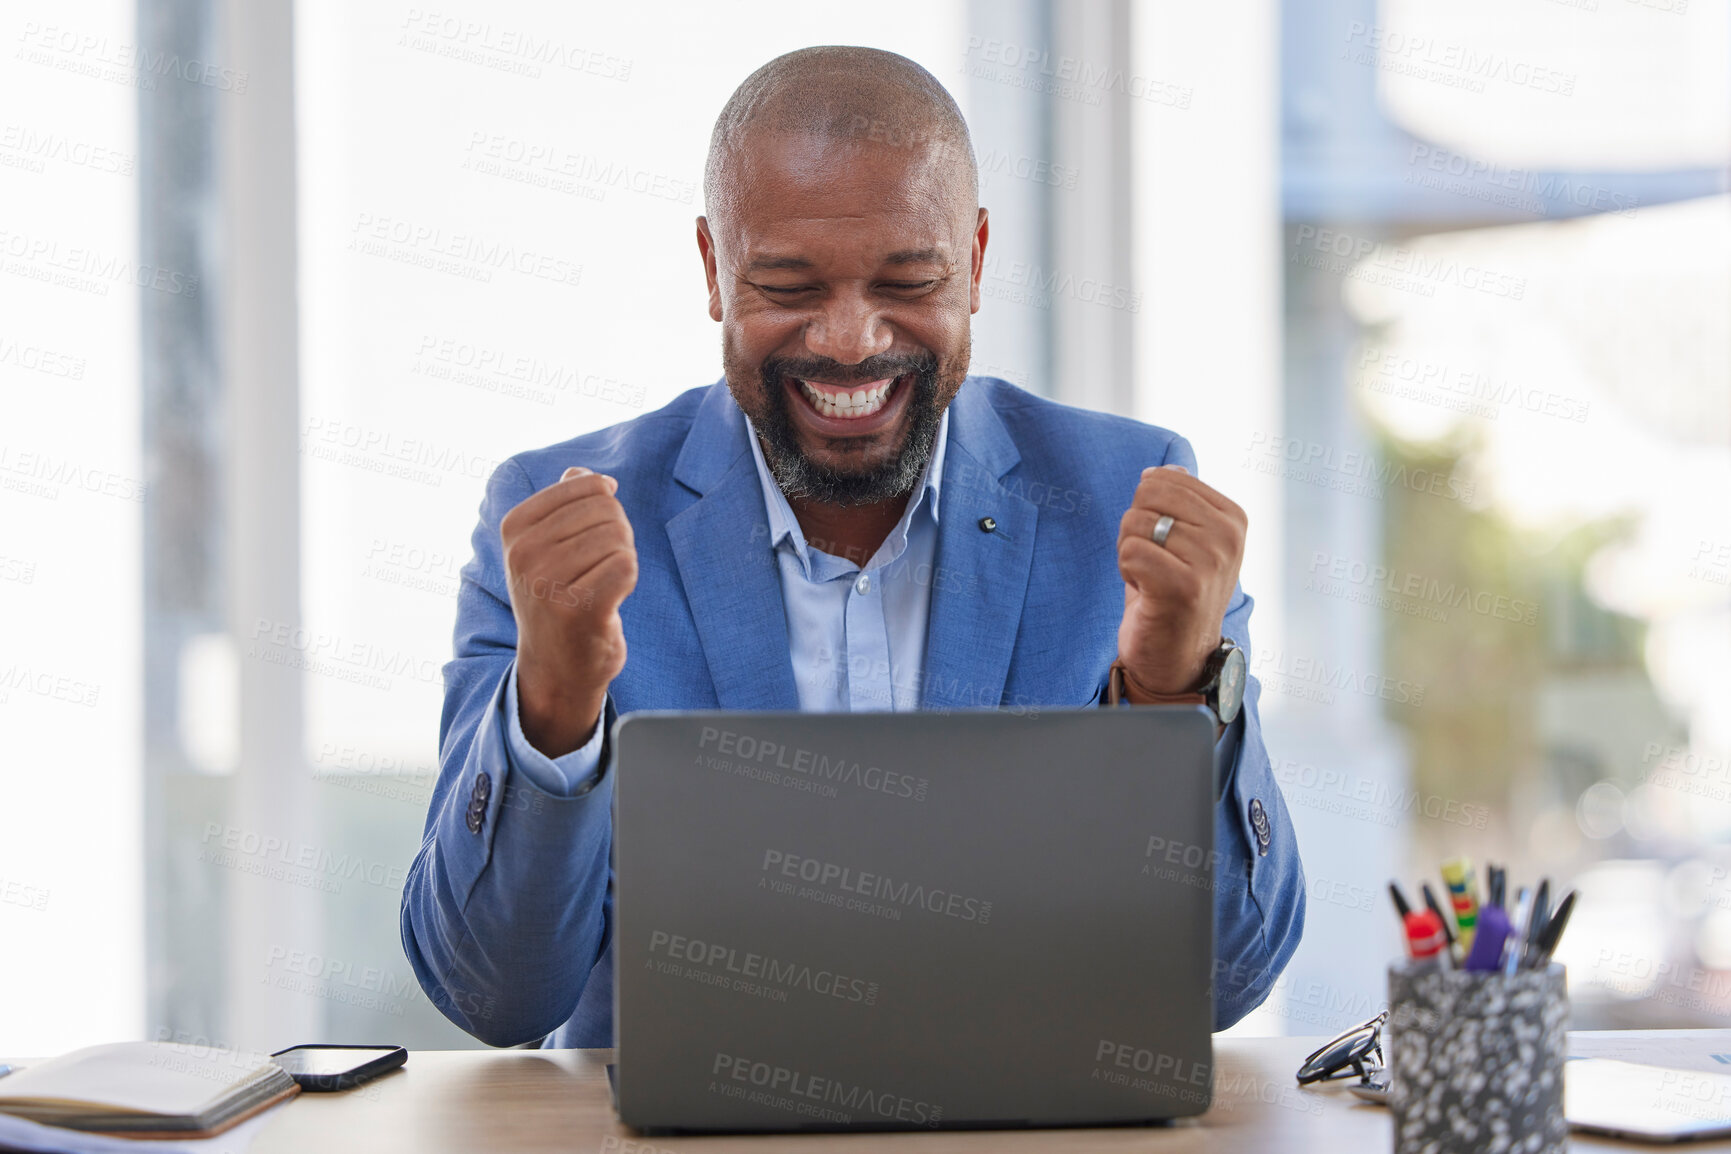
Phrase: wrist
(1136,693)
(556,724)
(1128,690)
(1220,686)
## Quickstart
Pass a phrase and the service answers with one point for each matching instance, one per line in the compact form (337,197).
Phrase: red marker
(1426,943)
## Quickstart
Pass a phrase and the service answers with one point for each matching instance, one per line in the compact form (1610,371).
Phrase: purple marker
(1493,931)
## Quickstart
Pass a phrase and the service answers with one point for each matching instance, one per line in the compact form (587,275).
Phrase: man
(847,521)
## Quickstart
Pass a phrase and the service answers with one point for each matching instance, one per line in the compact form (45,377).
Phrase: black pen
(1400,904)
(1431,902)
(1541,914)
(1553,932)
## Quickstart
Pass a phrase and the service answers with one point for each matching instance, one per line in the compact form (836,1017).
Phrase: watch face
(1230,692)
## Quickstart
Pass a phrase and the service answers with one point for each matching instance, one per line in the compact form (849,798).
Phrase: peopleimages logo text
(781,1080)
(1300,459)
(763,968)
(881,887)
(838,770)
(1422,588)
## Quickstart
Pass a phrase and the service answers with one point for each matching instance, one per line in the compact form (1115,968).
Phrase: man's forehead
(816,203)
(791,175)
(831,168)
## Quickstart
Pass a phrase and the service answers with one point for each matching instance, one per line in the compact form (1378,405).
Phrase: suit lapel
(980,582)
(721,544)
(981,578)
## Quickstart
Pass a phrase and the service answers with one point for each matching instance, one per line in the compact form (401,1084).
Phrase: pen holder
(1476,1060)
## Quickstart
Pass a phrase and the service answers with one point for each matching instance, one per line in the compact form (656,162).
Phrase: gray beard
(801,478)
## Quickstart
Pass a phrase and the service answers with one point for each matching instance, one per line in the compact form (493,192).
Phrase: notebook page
(157,1077)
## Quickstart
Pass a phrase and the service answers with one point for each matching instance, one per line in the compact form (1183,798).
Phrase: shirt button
(863,585)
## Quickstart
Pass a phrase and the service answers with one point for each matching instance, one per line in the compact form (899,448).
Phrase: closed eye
(790,291)
(909,289)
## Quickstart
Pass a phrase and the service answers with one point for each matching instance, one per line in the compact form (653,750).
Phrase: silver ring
(1163,529)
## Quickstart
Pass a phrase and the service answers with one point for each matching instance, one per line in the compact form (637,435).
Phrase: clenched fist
(1176,594)
(570,561)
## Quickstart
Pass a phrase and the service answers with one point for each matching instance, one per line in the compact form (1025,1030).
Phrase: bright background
(1440,293)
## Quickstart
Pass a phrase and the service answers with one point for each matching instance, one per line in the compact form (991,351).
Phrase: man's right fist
(570,560)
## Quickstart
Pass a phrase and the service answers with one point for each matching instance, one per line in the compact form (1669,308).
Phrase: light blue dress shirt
(856,637)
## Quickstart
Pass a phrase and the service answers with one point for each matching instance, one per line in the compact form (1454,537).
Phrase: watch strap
(1118,678)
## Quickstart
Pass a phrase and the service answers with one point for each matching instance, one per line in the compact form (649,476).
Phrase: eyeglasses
(1359,1051)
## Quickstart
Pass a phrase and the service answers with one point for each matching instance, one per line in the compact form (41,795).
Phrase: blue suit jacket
(507,913)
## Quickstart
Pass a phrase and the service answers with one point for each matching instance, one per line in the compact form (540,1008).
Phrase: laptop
(912,920)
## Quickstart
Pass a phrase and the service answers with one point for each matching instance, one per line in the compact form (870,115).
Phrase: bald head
(842,247)
(844,96)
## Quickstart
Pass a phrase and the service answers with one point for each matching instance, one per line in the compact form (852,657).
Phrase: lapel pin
(987,524)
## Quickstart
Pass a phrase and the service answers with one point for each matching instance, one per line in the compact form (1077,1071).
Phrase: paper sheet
(18,1134)
(1703,1051)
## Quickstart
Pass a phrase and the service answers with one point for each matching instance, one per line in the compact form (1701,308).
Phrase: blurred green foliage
(1485,666)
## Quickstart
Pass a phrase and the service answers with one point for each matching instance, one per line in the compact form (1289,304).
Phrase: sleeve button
(1259,823)
(475,815)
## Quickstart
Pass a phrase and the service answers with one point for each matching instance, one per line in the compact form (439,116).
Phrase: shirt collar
(782,522)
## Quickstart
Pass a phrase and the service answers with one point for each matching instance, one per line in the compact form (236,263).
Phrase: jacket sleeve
(506,907)
(1258,878)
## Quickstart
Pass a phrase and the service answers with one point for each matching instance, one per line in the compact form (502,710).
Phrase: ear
(706,248)
(979,257)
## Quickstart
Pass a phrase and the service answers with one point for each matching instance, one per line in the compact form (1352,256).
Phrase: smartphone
(319,1067)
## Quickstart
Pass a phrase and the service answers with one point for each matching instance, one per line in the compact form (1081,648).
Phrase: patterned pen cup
(1476,1061)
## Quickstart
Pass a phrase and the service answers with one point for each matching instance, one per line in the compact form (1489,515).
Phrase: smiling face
(844,273)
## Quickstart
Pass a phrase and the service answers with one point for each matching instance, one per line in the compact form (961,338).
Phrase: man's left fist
(1176,594)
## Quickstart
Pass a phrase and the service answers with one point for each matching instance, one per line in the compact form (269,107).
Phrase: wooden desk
(557,1100)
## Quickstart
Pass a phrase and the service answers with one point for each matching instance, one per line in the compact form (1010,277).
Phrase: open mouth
(849,402)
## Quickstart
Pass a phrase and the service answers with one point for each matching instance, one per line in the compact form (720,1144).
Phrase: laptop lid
(912,920)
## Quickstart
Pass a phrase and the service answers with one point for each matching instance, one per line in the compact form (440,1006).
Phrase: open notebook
(146,1090)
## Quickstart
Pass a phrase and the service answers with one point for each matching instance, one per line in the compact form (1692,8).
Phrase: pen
(1431,904)
(1515,949)
(1541,914)
(1457,875)
(1403,911)
(1553,931)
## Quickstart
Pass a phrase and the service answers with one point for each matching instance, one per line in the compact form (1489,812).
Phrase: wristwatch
(1221,688)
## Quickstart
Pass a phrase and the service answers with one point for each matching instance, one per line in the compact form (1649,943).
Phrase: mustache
(875,368)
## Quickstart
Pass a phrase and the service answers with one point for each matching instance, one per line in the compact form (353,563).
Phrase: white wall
(71,487)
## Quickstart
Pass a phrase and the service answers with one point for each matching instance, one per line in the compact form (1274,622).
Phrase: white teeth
(859,403)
